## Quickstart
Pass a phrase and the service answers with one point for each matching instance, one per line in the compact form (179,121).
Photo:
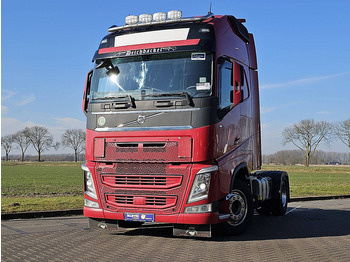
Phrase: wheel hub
(238,207)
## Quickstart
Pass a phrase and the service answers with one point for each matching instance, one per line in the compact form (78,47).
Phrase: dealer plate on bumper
(139,217)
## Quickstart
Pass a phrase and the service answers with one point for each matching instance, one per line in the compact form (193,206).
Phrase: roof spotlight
(145,18)
(174,15)
(131,19)
(160,16)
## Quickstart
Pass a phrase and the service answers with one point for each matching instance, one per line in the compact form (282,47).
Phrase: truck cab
(173,127)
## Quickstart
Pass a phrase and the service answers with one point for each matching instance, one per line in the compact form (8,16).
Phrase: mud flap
(192,230)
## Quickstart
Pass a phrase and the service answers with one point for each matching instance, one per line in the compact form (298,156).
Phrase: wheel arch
(240,172)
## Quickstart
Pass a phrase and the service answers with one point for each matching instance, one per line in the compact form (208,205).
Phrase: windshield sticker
(202,79)
(198,56)
(203,86)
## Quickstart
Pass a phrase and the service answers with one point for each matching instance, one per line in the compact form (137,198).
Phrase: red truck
(173,127)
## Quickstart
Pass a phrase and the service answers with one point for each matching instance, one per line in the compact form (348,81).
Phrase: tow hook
(102,225)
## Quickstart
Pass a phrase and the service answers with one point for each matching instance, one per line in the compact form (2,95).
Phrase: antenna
(210,8)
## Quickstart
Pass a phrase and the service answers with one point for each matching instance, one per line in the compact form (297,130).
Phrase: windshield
(153,76)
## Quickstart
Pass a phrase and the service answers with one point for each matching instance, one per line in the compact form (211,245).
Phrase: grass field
(34,186)
(316,180)
(41,186)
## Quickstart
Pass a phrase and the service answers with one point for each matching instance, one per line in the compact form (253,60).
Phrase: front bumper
(199,219)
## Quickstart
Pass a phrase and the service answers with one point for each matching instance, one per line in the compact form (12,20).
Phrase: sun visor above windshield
(158,36)
(166,40)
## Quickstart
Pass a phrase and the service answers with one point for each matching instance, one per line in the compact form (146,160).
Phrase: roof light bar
(174,16)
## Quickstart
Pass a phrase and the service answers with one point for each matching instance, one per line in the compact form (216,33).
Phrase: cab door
(228,131)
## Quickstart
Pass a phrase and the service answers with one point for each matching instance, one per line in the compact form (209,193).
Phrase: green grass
(29,204)
(32,186)
(316,180)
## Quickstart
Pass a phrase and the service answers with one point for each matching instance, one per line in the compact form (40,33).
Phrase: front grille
(135,187)
(141,201)
(141,181)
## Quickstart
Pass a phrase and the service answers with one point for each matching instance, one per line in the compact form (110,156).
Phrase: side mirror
(87,91)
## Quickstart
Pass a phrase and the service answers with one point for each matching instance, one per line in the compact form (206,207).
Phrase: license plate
(139,217)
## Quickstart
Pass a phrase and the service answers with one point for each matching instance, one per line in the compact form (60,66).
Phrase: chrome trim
(85,168)
(137,120)
(224,216)
(208,169)
(189,19)
(228,196)
(145,111)
(153,128)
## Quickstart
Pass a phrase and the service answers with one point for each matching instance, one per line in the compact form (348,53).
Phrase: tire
(280,204)
(265,208)
(241,210)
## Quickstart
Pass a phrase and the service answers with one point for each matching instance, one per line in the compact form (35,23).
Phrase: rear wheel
(279,207)
(278,203)
(240,205)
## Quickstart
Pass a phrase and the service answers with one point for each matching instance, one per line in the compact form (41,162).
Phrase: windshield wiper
(130,98)
(183,93)
(169,94)
(113,97)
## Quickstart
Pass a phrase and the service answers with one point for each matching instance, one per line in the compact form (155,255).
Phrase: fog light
(92,204)
(206,208)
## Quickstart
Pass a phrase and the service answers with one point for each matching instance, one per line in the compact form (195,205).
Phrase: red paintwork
(147,46)
(202,144)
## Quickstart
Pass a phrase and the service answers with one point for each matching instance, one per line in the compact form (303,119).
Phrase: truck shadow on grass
(300,223)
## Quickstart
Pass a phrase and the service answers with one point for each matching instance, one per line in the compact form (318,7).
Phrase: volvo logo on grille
(141,119)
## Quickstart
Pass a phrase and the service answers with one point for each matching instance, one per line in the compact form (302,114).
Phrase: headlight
(89,183)
(201,184)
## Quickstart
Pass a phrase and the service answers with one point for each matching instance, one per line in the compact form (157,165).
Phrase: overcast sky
(302,48)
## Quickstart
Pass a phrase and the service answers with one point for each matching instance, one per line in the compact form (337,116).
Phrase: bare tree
(342,131)
(307,135)
(75,139)
(40,138)
(7,144)
(22,141)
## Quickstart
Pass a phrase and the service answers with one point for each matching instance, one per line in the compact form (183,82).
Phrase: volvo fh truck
(173,127)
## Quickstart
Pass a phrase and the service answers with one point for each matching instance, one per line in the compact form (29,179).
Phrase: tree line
(296,157)
(307,134)
(41,140)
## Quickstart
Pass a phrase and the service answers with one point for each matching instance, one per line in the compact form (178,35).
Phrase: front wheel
(240,205)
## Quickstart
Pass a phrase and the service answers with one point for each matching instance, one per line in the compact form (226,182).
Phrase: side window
(225,84)
(244,86)
(233,84)
(240,83)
